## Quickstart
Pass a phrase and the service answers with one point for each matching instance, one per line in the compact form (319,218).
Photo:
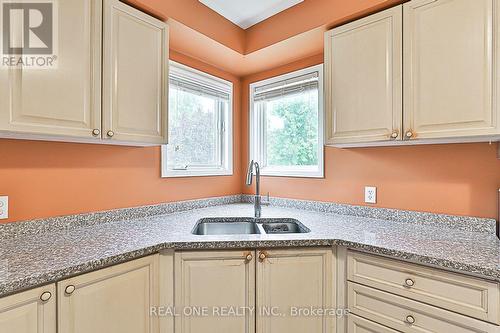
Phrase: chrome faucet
(257,201)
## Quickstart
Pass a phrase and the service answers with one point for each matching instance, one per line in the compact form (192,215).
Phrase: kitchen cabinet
(135,75)
(387,295)
(32,311)
(294,281)
(116,299)
(363,87)
(449,58)
(448,49)
(113,43)
(65,100)
(214,280)
(281,286)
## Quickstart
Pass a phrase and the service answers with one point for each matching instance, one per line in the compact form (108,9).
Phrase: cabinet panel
(214,280)
(409,316)
(27,313)
(470,296)
(448,74)
(357,324)
(291,280)
(135,75)
(64,100)
(363,84)
(117,299)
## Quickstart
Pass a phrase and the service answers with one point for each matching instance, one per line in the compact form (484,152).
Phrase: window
(199,123)
(286,124)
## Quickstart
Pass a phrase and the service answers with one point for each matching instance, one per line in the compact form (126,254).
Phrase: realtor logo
(29,33)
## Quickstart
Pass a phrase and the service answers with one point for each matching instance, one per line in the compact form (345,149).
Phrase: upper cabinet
(64,99)
(448,68)
(135,75)
(94,41)
(363,79)
(448,82)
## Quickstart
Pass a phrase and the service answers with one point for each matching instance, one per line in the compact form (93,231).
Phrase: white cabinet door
(32,311)
(289,284)
(215,281)
(116,299)
(363,84)
(64,100)
(448,68)
(135,75)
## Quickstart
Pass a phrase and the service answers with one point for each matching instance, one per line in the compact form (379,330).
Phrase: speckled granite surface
(48,255)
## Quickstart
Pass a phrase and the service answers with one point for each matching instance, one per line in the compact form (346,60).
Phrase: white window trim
(293,171)
(227,168)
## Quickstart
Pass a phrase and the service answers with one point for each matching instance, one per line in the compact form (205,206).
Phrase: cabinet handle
(410,319)
(96,132)
(69,289)
(394,135)
(262,256)
(409,282)
(44,297)
(248,257)
(409,134)
(110,134)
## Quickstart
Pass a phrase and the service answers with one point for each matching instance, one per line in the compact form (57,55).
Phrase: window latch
(185,167)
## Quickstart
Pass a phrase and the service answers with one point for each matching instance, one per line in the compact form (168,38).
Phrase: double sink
(248,226)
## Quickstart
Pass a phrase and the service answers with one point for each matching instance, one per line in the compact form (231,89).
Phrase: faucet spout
(257,202)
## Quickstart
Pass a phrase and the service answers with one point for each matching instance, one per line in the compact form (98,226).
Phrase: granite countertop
(39,258)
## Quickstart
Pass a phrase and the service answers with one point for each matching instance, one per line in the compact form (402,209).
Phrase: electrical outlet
(4,207)
(370,194)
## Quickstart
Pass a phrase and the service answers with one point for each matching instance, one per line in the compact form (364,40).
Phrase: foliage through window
(200,133)
(287,124)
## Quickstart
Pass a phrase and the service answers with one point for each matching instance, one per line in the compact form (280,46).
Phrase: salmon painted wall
(48,178)
(459,179)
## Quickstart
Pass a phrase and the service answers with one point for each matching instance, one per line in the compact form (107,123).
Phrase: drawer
(455,292)
(357,324)
(409,316)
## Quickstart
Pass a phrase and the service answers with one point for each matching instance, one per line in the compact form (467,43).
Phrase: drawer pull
(410,320)
(249,257)
(409,282)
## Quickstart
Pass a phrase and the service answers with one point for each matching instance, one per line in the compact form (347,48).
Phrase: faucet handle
(266,201)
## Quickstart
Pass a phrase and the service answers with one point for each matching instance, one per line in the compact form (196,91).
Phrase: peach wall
(49,178)
(458,179)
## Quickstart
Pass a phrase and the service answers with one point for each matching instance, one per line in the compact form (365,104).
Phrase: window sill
(195,173)
(292,173)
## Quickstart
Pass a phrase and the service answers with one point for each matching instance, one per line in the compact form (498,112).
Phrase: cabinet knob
(409,282)
(394,135)
(96,132)
(249,257)
(410,319)
(409,134)
(110,134)
(45,296)
(262,256)
(69,289)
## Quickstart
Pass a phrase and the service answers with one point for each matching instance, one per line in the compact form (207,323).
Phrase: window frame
(226,127)
(257,146)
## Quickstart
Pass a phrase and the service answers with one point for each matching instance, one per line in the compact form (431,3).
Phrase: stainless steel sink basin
(226,226)
(247,225)
(284,226)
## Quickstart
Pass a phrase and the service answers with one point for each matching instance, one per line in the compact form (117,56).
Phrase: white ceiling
(246,13)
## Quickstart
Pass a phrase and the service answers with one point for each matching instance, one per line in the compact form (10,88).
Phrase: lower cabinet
(246,291)
(32,311)
(357,324)
(116,299)
(209,282)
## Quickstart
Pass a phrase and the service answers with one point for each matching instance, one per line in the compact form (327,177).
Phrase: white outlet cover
(4,207)
(370,194)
